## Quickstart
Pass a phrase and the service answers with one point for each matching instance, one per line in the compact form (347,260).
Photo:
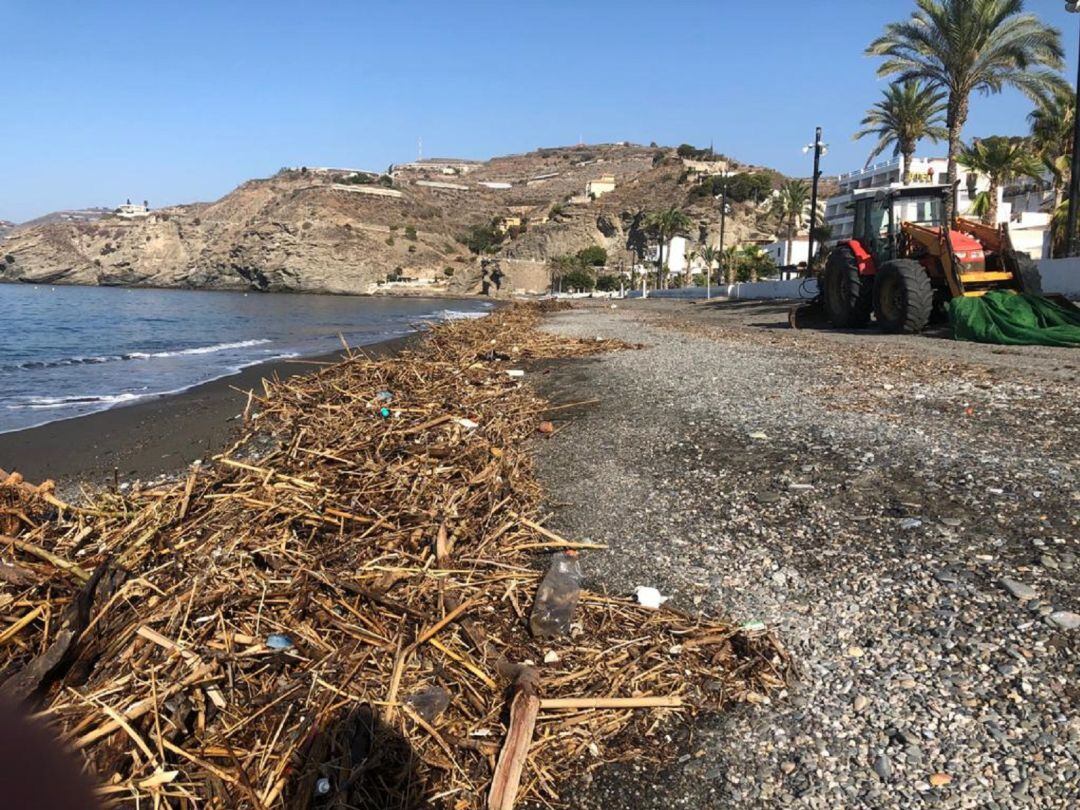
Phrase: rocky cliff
(340,231)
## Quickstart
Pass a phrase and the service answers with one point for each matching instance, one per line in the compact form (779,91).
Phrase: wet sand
(153,437)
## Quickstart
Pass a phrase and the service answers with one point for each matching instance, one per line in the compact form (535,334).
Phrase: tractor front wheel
(903,296)
(846,294)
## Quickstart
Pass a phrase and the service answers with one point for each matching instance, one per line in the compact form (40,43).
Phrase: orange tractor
(902,265)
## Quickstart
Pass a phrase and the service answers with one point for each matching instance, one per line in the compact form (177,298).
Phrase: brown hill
(343,231)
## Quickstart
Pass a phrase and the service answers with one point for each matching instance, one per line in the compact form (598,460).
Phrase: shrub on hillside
(482,238)
(594,256)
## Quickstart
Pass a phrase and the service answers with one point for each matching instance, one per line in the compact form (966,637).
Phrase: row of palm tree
(789,206)
(911,111)
(949,49)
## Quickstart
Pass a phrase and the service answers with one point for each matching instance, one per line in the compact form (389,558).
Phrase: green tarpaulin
(1018,320)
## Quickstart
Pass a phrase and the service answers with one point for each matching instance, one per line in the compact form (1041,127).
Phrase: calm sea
(68,351)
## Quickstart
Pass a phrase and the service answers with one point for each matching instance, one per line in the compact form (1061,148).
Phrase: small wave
(67,361)
(217,347)
(64,402)
(31,365)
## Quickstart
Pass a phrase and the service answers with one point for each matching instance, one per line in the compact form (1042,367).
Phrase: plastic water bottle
(557,597)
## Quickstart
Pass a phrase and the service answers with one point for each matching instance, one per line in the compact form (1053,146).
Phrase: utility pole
(1072,243)
(723,222)
(819,149)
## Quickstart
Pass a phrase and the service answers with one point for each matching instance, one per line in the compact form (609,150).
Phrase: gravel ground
(902,512)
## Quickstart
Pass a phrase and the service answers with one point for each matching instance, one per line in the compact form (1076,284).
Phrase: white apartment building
(924,171)
(675,256)
(778,251)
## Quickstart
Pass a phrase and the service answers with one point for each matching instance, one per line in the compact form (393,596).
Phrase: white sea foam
(217,347)
(64,402)
(457,315)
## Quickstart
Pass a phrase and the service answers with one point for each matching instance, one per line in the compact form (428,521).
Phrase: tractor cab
(879,213)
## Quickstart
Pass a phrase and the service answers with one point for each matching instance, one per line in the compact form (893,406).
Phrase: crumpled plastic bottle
(429,702)
(557,597)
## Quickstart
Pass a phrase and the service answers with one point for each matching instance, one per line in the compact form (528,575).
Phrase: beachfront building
(778,251)
(887,174)
(676,252)
(595,189)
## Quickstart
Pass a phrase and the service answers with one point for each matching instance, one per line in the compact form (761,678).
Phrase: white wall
(1061,276)
(793,288)
(1058,276)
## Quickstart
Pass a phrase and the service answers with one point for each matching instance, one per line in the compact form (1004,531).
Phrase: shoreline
(156,436)
(397,292)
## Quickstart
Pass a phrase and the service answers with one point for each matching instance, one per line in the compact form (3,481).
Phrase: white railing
(874,169)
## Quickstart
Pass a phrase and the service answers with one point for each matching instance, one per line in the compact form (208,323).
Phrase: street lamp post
(1073,244)
(723,221)
(819,150)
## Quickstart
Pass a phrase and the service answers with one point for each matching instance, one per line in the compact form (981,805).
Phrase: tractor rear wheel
(846,294)
(1030,277)
(903,296)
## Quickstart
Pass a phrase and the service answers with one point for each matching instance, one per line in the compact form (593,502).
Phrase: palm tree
(709,255)
(909,112)
(665,225)
(1052,135)
(966,45)
(1001,159)
(791,206)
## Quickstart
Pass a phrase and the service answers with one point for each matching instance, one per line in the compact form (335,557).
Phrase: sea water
(69,351)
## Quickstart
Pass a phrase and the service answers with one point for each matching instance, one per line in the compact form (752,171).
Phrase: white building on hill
(129,211)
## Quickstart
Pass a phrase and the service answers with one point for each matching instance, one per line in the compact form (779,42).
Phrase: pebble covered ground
(901,511)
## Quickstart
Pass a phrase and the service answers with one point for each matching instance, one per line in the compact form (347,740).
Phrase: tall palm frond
(966,45)
(1001,159)
(909,112)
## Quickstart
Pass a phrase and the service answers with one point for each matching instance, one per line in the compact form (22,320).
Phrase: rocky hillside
(343,231)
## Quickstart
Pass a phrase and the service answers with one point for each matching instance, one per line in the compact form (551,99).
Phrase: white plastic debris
(515,372)
(551,657)
(759,436)
(649,597)
(468,424)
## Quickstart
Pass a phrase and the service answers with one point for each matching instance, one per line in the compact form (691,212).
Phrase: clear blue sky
(178,102)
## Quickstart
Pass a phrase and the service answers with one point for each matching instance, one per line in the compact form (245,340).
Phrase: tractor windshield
(923,210)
